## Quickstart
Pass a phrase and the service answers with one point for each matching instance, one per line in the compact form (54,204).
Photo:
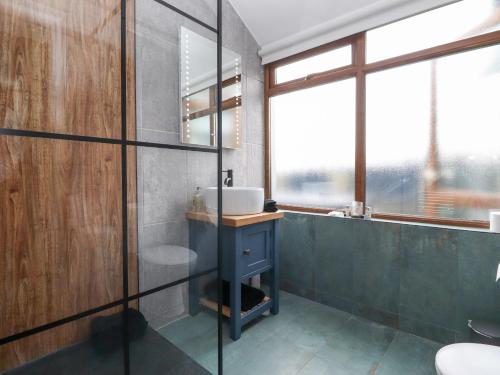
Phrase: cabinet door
(255,253)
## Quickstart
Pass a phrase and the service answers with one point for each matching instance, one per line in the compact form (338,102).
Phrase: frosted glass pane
(323,62)
(197,132)
(443,25)
(433,131)
(231,128)
(231,91)
(199,101)
(313,142)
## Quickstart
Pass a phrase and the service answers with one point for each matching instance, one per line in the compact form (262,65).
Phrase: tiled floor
(306,338)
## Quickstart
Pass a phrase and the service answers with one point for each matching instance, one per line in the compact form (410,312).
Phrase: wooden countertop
(236,221)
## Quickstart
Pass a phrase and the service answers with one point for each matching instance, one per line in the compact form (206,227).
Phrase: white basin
(236,200)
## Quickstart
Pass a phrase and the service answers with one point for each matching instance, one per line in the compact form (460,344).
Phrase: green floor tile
(410,355)
(305,338)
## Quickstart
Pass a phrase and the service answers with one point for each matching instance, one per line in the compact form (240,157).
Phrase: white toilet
(162,265)
(468,359)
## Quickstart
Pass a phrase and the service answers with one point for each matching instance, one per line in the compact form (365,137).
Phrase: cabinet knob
(247,252)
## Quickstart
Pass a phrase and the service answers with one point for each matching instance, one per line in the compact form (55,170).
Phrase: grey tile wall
(167,179)
(422,279)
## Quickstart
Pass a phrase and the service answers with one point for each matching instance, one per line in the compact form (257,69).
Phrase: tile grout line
(305,364)
(385,353)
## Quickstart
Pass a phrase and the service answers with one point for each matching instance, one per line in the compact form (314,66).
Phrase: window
(313,161)
(444,25)
(323,62)
(199,115)
(411,129)
(443,154)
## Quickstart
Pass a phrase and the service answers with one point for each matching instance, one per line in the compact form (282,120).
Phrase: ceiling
(285,27)
(276,19)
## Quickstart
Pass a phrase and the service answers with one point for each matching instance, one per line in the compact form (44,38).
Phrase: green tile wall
(421,279)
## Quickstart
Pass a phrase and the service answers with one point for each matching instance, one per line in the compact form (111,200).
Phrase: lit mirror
(198,91)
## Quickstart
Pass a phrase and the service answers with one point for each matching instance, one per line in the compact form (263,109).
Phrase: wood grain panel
(61,233)
(60,211)
(60,66)
(235,221)
(40,344)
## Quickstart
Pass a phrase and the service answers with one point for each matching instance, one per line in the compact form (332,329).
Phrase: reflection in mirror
(198,91)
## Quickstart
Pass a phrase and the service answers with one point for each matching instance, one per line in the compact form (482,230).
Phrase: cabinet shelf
(226,310)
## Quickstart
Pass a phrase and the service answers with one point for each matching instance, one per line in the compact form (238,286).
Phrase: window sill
(476,226)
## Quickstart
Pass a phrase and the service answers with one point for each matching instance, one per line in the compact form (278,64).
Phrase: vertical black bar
(124,302)
(219,187)
(123,58)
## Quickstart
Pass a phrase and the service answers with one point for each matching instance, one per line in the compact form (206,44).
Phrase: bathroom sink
(236,200)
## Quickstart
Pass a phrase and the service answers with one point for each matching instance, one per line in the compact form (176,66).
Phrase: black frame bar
(124,183)
(95,310)
(220,358)
(188,16)
(123,142)
(85,138)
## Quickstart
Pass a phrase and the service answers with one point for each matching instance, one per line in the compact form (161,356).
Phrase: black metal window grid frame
(127,298)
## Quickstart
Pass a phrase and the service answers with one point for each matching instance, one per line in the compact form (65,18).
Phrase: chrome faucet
(228,181)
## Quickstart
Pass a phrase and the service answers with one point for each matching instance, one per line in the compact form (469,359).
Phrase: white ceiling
(271,20)
(285,27)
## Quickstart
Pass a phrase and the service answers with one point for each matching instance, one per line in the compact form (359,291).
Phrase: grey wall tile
(158,85)
(376,264)
(165,306)
(237,161)
(158,75)
(255,161)
(429,274)
(169,233)
(153,274)
(158,21)
(159,136)
(234,36)
(254,62)
(165,184)
(201,171)
(297,250)
(167,178)
(203,10)
(151,21)
(479,289)
(255,111)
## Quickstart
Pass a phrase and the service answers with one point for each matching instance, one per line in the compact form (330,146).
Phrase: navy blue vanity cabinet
(249,247)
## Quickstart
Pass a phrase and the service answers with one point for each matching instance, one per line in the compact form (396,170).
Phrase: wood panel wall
(60,201)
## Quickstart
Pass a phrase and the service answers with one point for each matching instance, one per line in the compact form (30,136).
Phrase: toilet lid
(468,359)
(169,255)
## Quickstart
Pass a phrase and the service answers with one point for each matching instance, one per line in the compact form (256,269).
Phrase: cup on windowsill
(357,209)
(495,221)
(368,212)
